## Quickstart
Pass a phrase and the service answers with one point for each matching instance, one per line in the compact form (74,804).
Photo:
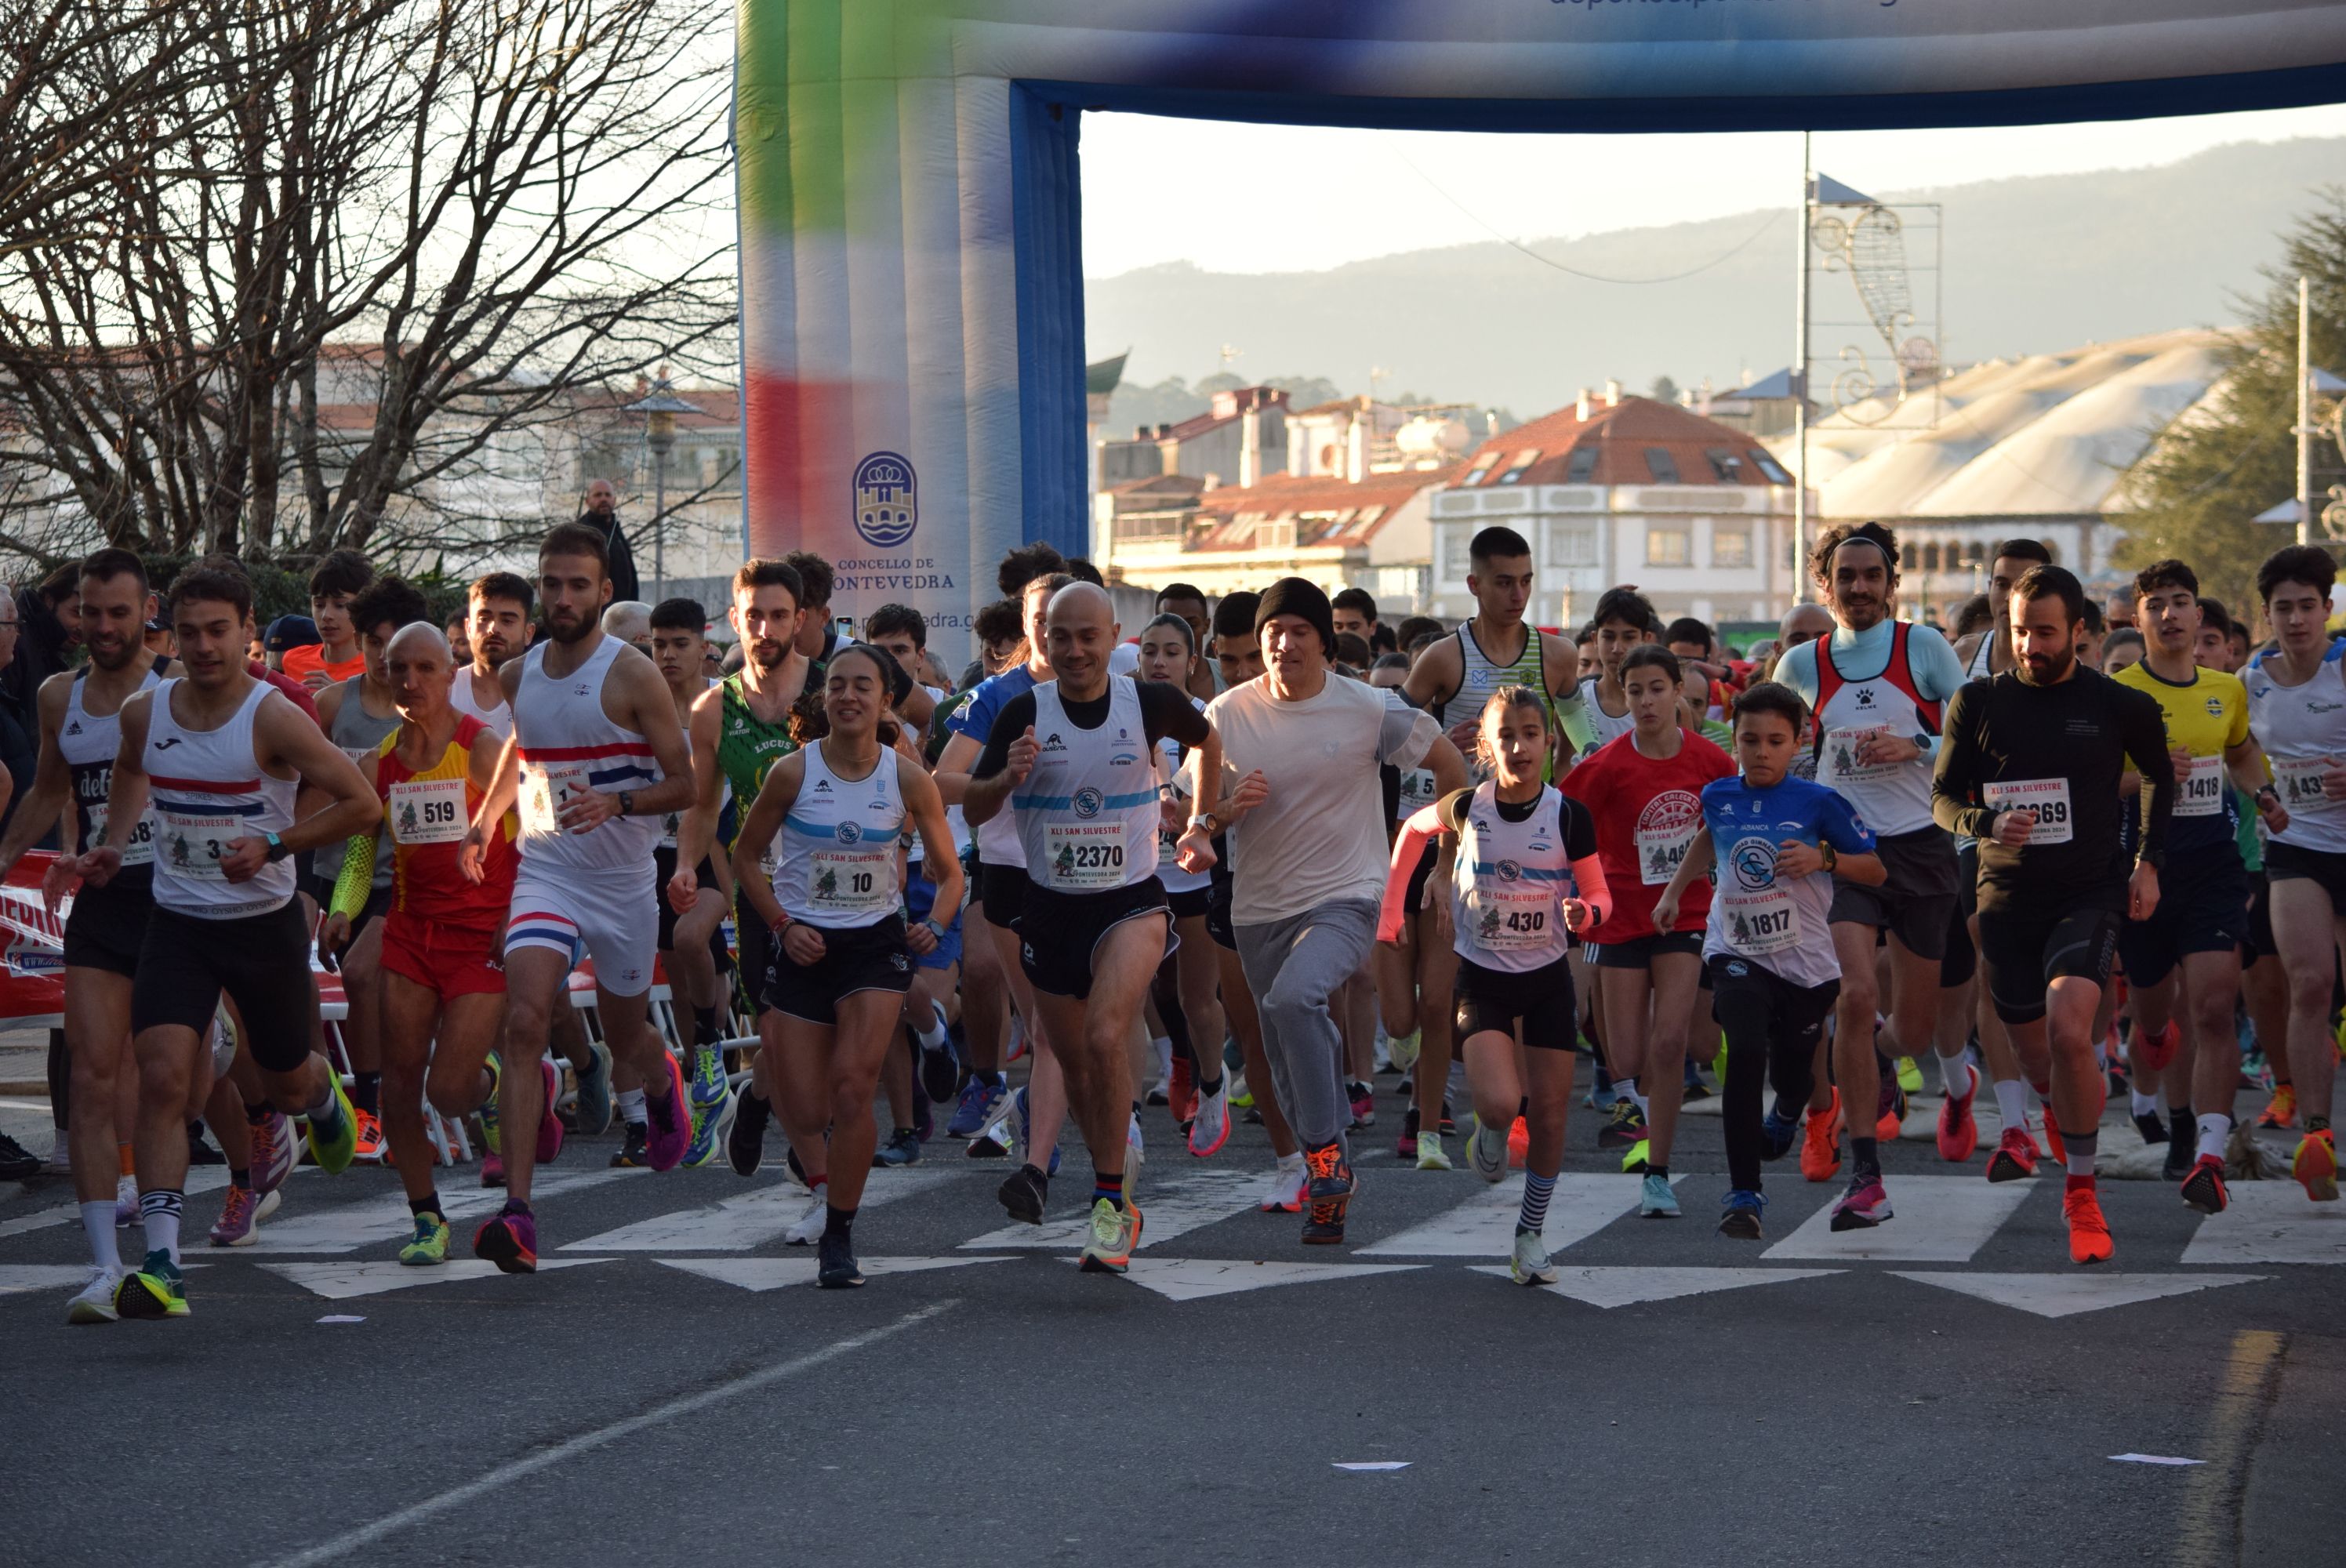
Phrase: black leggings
(1772,1028)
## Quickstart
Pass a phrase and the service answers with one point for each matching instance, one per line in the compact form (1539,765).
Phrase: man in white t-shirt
(1304,809)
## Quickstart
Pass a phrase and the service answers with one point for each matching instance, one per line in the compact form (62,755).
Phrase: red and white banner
(33,961)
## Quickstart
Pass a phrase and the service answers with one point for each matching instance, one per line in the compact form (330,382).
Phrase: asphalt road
(671,1389)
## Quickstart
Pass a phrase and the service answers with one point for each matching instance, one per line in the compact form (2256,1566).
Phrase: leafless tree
(348,271)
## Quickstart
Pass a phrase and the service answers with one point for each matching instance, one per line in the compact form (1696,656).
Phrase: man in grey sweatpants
(1302,804)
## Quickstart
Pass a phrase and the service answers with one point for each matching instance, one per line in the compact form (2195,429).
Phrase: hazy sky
(1269,198)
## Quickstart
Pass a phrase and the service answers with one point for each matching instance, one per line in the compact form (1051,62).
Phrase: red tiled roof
(1621,433)
(1359,510)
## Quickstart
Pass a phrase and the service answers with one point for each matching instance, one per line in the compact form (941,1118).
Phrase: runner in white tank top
(597,759)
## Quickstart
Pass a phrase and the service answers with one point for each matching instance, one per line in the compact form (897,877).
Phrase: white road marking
(384,1219)
(748,1219)
(1935,1219)
(1484,1225)
(2066,1295)
(775,1273)
(1610,1287)
(200,1178)
(342,1281)
(15,1278)
(1181,1279)
(2271,1222)
(1184,1203)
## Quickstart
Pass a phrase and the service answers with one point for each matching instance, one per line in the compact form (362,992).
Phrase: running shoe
(902,1149)
(429,1245)
(2015,1156)
(592,1108)
(2314,1166)
(1864,1206)
(1403,1051)
(93,1303)
(2181,1155)
(1022,1194)
(1327,1194)
(1777,1133)
(2152,1053)
(2203,1189)
(18,1163)
(1114,1232)
(2059,1155)
(1285,1194)
(1160,1093)
(2282,1112)
(635,1148)
(1531,1265)
(1889,1119)
(492,1114)
(808,1227)
(1519,1143)
(1693,1088)
(712,1101)
(835,1268)
(1017,1046)
(369,1150)
(1209,1125)
(2153,1127)
(275,1150)
(240,1216)
(1958,1132)
(1430,1156)
(980,1103)
(333,1145)
(745,1139)
(1486,1150)
(1739,1212)
(125,1202)
(509,1240)
(1820,1142)
(1364,1104)
(1183,1097)
(1627,1127)
(1654,1198)
(2089,1232)
(199,1153)
(156,1290)
(671,1121)
(1635,1158)
(1241,1097)
(1910,1075)
(940,1070)
(493,1170)
(549,1124)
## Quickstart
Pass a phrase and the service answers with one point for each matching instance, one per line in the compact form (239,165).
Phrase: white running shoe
(1531,1264)
(94,1304)
(1285,1194)
(1430,1153)
(1132,1138)
(807,1229)
(1209,1129)
(1486,1151)
(1403,1051)
(125,1203)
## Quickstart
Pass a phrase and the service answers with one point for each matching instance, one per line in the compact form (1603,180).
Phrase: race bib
(428,811)
(140,851)
(851,882)
(1662,850)
(193,842)
(1417,792)
(2200,790)
(2049,798)
(364,758)
(1087,856)
(1512,919)
(670,824)
(1761,922)
(1839,762)
(545,789)
(2299,779)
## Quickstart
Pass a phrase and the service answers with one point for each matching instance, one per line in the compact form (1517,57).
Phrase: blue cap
(291,632)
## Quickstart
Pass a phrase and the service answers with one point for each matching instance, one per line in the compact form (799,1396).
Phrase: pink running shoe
(670,1119)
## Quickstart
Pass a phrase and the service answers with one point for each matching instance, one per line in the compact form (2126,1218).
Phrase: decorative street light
(659,408)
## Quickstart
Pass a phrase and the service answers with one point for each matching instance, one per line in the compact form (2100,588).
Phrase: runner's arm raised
(645,707)
(953,764)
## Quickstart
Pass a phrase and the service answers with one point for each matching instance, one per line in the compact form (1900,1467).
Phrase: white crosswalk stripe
(341,1281)
(774,1273)
(1935,1219)
(1610,1287)
(747,1220)
(375,1220)
(1184,1203)
(2065,1294)
(2271,1222)
(1484,1225)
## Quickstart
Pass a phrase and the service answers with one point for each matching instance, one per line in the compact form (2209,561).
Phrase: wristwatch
(626,802)
(1825,852)
(1921,739)
(2155,858)
(2265,790)
(934,929)
(1205,819)
(277,850)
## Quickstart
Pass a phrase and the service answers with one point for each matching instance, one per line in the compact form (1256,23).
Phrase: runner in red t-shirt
(1645,789)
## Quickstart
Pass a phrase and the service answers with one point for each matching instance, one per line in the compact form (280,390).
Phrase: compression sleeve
(2142,723)
(1589,875)
(350,889)
(1798,669)
(1956,779)
(1931,659)
(1572,714)
(1422,827)
(1012,721)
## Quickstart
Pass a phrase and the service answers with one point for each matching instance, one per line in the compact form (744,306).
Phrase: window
(1453,554)
(1275,533)
(1661,465)
(1670,546)
(1729,545)
(1523,460)
(1724,463)
(1477,474)
(1770,469)
(1582,464)
(1571,544)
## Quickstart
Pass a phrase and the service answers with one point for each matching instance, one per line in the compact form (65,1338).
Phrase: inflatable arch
(912,287)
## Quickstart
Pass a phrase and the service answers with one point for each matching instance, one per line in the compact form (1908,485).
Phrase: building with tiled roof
(1622,489)
(1240,437)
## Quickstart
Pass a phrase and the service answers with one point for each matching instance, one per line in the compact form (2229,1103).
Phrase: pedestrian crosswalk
(1938,1220)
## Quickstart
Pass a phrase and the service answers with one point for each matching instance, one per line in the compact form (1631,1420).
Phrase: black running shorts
(1496,1000)
(262,962)
(1060,934)
(859,957)
(2025,949)
(106,927)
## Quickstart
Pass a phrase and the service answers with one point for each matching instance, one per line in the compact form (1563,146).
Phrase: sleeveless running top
(1510,884)
(2299,727)
(460,697)
(207,791)
(1607,728)
(568,746)
(1168,871)
(360,735)
(1086,813)
(88,744)
(425,815)
(839,865)
(1479,676)
(670,823)
(1892,796)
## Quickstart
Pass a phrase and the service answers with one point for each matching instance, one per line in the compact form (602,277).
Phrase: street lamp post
(659,408)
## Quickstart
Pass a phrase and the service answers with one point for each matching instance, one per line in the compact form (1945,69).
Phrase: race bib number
(428,811)
(2299,779)
(1841,764)
(1087,856)
(670,824)
(2049,798)
(1514,920)
(1417,792)
(851,882)
(2200,790)
(1761,922)
(140,851)
(1662,850)
(193,843)
(545,789)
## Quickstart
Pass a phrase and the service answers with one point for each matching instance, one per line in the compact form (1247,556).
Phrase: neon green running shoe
(429,1245)
(1633,1162)
(1719,1065)
(488,1112)
(335,1144)
(156,1290)
(1910,1075)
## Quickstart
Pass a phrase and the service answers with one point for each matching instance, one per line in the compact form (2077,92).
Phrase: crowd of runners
(1233,861)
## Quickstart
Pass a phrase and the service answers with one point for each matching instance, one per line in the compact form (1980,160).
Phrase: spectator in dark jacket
(600,510)
(48,617)
(19,727)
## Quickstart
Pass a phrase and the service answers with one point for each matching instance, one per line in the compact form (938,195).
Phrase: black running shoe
(2152,1127)
(1023,1192)
(636,1152)
(1627,1128)
(834,1267)
(16,1162)
(940,1073)
(745,1141)
(200,1153)
(2182,1154)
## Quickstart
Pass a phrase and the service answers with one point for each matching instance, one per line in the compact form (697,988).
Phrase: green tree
(2196,490)
(1664,390)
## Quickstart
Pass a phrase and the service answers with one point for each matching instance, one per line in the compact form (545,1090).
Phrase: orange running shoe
(1519,1143)
(370,1147)
(2315,1166)
(2089,1232)
(2053,1149)
(2015,1156)
(1820,1143)
(1958,1132)
(2282,1112)
(2152,1053)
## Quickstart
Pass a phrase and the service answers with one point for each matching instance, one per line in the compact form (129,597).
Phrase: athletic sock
(838,1224)
(366,1093)
(2012,1102)
(1108,1185)
(932,1038)
(1636,1095)
(159,1212)
(1208,1087)
(515,1205)
(2080,1149)
(1162,1046)
(2141,1104)
(240,1179)
(1537,1190)
(704,1028)
(2184,1123)
(1661,1171)
(428,1204)
(1954,1071)
(2079,1183)
(1864,1158)
(991,1080)
(2316,1125)
(631,1108)
(97,1223)
(328,1111)
(2213,1130)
